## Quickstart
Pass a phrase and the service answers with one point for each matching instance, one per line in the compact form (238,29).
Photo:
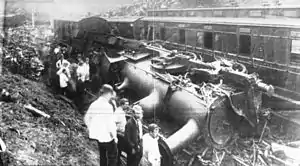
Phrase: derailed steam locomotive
(200,96)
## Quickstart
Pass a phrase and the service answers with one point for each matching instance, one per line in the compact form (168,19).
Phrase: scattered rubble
(35,140)
(21,52)
(276,145)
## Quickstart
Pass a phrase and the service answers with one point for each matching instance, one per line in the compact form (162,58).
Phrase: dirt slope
(30,140)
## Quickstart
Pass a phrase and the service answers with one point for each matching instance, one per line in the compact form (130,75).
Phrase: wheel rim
(220,129)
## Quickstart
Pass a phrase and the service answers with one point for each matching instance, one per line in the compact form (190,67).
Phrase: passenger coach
(267,40)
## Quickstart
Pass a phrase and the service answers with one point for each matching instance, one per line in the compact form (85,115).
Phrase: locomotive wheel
(218,129)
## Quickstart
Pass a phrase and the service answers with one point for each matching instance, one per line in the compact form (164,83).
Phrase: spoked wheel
(218,129)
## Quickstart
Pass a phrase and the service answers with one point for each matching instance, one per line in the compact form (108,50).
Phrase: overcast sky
(62,7)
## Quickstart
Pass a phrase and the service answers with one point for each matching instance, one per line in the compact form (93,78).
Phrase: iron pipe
(183,136)
(151,103)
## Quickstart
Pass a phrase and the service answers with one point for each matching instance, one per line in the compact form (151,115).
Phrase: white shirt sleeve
(58,64)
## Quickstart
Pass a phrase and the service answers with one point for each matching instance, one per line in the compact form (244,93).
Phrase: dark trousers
(122,147)
(63,91)
(134,159)
(108,153)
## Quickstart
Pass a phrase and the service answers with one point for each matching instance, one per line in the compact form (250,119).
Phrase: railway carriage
(265,39)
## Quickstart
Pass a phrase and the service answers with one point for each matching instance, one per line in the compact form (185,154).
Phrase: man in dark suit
(133,135)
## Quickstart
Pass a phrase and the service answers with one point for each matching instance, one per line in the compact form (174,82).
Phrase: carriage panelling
(242,13)
(256,13)
(218,13)
(208,13)
(224,28)
(294,13)
(271,13)
(280,47)
(229,13)
(258,47)
(268,49)
(200,13)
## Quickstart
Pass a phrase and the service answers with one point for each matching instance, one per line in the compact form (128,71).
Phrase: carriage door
(182,36)
(150,33)
(162,33)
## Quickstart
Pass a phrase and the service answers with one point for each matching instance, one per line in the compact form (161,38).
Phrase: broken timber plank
(34,110)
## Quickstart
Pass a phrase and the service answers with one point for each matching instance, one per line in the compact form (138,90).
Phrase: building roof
(123,19)
(69,18)
(230,8)
(270,22)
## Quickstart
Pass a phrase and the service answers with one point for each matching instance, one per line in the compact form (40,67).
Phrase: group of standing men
(63,70)
(106,119)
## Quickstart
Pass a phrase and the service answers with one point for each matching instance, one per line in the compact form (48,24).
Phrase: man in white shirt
(101,125)
(151,154)
(120,114)
(81,75)
(86,65)
(63,80)
(62,63)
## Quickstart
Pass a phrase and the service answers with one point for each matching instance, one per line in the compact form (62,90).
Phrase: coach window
(200,41)
(162,33)
(245,44)
(182,36)
(172,35)
(232,43)
(208,40)
(295,52)
(220,42)
(258,47)
(150,33)
(191,37)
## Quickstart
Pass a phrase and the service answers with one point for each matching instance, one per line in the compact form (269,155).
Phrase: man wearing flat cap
(101,125)
(133,135)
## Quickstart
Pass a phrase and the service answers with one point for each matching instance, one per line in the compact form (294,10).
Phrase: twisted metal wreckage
(201,96)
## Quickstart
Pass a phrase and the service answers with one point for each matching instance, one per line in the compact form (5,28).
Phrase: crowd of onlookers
(74,71)
(118,127)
